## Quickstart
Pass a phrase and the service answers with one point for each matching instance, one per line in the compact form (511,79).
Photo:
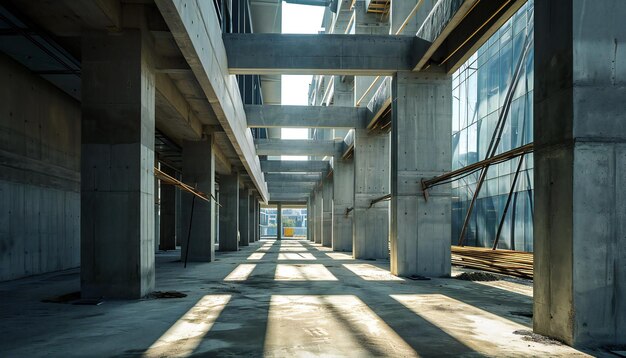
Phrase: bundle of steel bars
(506,262)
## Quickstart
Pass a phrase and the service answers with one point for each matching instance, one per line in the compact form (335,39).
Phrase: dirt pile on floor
(477,276)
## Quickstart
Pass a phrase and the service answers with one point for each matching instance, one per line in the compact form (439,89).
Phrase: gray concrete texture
(199,231)
(371,181)
(420,149)
(356,307)
(244,218)
(229,212)
(167,213)
(117,161)
(271,116)
(39,175)
(580,156)
(327,212)
(368,53)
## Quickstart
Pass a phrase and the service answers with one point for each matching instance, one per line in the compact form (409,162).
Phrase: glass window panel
(472,98)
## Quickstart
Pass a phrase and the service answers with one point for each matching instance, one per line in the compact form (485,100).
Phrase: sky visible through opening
(298,19)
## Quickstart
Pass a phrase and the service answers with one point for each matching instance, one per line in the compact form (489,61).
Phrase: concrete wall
(39,175)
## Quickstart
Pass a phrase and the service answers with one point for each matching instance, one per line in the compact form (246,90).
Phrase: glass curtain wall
(479,90)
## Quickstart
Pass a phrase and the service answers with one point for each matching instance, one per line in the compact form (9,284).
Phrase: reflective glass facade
(479,91)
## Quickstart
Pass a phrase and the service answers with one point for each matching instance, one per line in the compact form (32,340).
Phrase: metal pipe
(377,200)
(513,153)
(508,201)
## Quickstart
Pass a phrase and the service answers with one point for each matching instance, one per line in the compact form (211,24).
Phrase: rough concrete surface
(277,299)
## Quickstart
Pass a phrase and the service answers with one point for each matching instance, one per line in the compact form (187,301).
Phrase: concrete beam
(266,116)
(322,54)
(297,166)
(171,65)
(319,148)
(198,36)
(291,191)
(304,190)
(291,178)
(295,198)
(274,186)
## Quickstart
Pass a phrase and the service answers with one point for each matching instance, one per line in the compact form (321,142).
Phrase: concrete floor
(278,299)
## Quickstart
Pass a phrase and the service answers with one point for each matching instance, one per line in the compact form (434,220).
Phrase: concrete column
(229,212)
(579,174)
(279,221)
(367,24)
(343,176)
(117,176)
(257,228)
(199,172)
(179,225)
(343,194)
(420,149)
(167,236)
(308,218)
(244,218)
(319,201)
(251,218)
(327,212)
(157,214)
(371,181)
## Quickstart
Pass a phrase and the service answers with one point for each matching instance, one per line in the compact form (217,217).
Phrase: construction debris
(167,294)
(477,276)
(506,262)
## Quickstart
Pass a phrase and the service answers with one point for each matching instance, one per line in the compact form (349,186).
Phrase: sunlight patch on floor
(256,256)
(301,272)
(240,273)
(296,256)
(329,326)
(371,273)
(482,331)
(293,249)
(184,336)
(339,256)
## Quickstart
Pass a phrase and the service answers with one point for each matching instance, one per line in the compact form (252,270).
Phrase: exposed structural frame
(196,31)
(273,116)
(327,54)
(295,166)
(304,147)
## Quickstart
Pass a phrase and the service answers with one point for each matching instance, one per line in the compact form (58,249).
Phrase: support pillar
(327,212)
(257,226)
(251,218)
(318,216)
(198,171)
(420,149)
(244,218)
(343,175)
(117,155)
(229,212)
(580,172)
(279,221)
(343,199)
(167,235)
(371,181)
(309,212)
